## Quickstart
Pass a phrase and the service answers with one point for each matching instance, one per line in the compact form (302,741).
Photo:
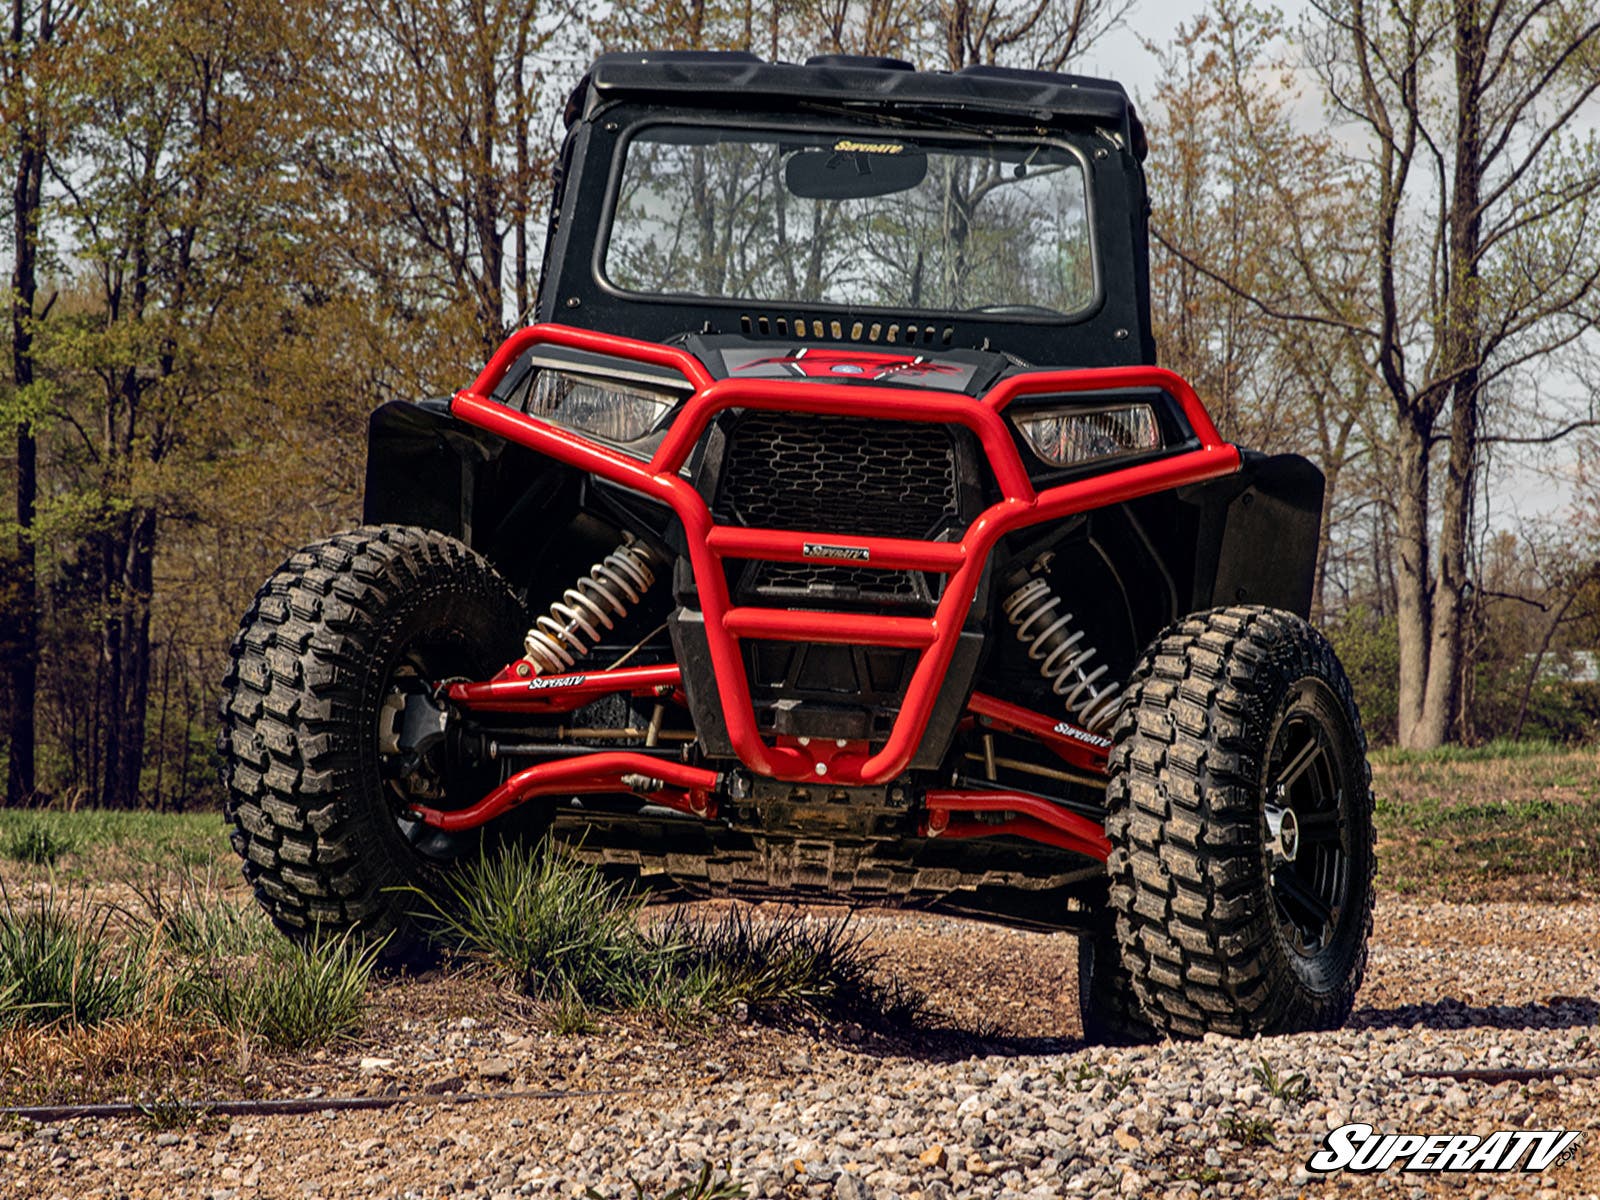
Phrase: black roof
(709,77)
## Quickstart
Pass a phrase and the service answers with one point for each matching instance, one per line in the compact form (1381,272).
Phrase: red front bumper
(709,543)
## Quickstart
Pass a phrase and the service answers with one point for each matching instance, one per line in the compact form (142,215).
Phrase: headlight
(1066,437)
(617,412)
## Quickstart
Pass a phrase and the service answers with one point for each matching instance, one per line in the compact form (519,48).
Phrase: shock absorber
(1065,659)
(596,602)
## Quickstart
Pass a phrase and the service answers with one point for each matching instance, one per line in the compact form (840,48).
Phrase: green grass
(82,838)
(190,913)
(69,963)
(36,844)
(1294,1088)
(560,932)
(292,997)
(1085,1075)
(58,968)
(1499,750)
(558,929)
(775,965)
(570,1016)
(1250,1130)
(705,1186)
(1471,824)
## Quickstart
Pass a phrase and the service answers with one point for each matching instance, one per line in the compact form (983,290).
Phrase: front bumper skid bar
(709,544)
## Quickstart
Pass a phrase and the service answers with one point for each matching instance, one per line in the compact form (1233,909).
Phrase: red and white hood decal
(846,365)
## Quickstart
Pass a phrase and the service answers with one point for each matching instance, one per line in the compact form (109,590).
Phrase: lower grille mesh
(801,579)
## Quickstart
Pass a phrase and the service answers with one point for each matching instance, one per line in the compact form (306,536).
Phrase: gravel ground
(994,1099)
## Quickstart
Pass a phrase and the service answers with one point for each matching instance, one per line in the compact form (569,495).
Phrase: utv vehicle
(855,549)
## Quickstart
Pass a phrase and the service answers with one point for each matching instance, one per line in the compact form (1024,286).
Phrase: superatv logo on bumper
(822,550)
(1360,1147)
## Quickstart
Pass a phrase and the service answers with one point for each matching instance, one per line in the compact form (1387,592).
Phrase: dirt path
(995,1097)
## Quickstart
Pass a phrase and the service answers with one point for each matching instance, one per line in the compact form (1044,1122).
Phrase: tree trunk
(22,672)
(125,772)
(1412,585)
(129,556)
(520,131)
(1441,700)
(1460,363)
(22,669)
(1319,569)
(491,237)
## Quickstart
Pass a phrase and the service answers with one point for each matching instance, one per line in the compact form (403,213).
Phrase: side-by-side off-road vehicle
(833,535)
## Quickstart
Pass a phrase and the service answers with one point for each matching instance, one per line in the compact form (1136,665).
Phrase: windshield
(919,222)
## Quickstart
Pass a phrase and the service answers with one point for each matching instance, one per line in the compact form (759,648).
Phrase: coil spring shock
(596,602)
(1035,612)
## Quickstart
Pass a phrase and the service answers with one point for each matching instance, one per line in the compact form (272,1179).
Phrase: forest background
(234,227)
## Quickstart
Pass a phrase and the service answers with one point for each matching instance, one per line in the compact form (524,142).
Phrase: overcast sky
(1122,55)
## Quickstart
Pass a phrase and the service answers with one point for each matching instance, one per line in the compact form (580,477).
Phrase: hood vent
(888,333)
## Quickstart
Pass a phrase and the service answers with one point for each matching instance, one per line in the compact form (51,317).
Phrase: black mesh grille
(839,474)
(846,582)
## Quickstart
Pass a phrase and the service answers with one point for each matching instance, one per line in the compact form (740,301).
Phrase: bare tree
(1242,196)
(1040,34)
(1478,259)
(1037,34)
(1484,203)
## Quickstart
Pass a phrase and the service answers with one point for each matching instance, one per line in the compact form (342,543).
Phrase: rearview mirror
(853,170)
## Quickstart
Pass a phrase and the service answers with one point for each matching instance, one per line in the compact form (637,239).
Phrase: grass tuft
(56,970)
(1250,1131)
(37,844)
(190,914)
(705,1186)
(778,966)
(167,1114)
(155,1049)
(1294,1087)
(566,935)
(1085,1075)
(94,998)
(557,927)
(292,997)
(570,1016)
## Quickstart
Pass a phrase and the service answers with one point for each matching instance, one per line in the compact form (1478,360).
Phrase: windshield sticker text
(848,147)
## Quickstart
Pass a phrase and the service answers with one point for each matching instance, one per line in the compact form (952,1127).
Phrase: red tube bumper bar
(709,544)
(687,789)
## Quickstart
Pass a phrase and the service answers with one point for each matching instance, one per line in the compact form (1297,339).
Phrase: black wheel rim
(1307,819)
(442,781)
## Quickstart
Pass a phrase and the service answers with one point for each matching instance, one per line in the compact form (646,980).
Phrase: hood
(971,372)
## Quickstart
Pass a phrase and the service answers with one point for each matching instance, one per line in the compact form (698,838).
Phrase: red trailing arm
(688,789)
(955,814)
